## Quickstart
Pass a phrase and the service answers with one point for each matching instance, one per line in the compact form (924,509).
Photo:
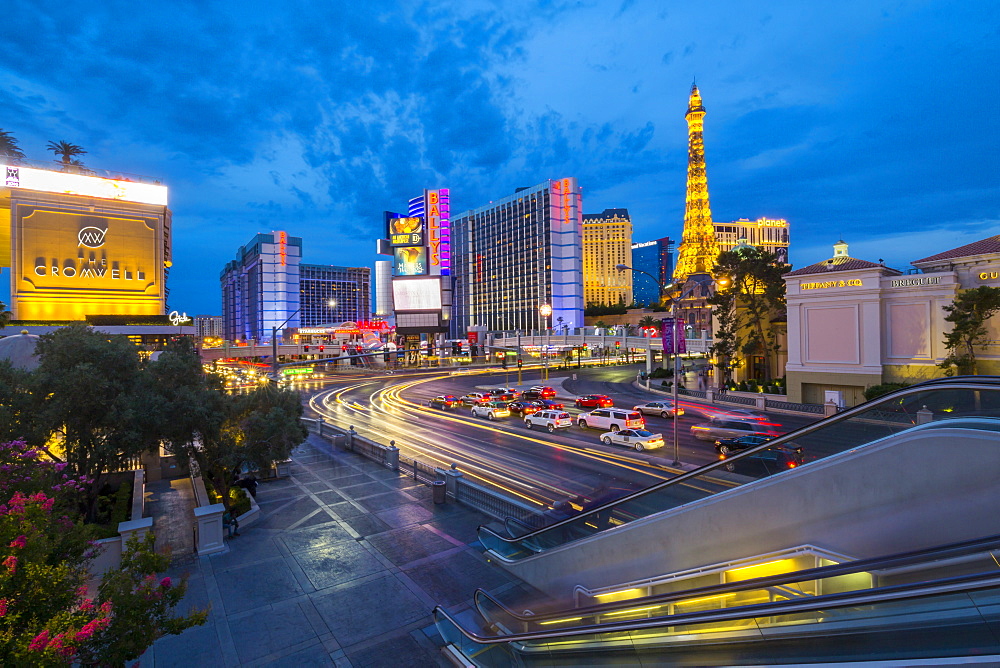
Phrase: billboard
(70,262)
(66,183)
(410,261)
(437,207)
(421,294)
(407,231)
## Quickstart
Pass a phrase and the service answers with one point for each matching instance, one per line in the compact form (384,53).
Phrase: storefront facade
(853,323)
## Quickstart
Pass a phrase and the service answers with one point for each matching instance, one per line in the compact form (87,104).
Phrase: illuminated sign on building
(283,248)
(406,232)
(422,294)
(989,275)
(410,261)
(910,282)
(80,184)
(850,283)
(437,208)
(179,318)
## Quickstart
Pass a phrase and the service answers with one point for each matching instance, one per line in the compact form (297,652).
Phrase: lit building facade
(656,258)
(517,254)
(383,289)
(607,242)
(79,244)
(208,326)
(260,288)
(853,323)
(331,294)
(769,234)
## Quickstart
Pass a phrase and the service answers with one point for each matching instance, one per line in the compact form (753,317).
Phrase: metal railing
(736,399)
(792,406)
(490,502)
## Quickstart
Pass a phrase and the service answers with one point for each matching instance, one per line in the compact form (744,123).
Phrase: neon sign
(178,319)
(283,247)
(438,211)
(851,283)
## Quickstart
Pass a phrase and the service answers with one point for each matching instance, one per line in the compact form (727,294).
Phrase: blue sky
(875,121)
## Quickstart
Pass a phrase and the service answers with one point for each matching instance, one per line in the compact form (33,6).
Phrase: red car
(594,401)
(524,408)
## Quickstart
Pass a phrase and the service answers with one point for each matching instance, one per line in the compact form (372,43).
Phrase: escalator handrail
(961,583)
(948,551)
(798,433)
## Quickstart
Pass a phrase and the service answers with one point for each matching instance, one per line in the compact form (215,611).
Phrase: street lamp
(274,345)
(673,316)
(545,310)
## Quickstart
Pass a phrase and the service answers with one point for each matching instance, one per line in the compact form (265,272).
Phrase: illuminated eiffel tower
(699,249)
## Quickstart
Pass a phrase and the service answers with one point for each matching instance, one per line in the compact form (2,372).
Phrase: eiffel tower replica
(699,250)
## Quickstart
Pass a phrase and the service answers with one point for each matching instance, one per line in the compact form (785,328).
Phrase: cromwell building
(853,323)
(83,246)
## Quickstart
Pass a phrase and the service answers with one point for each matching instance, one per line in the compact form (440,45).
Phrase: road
(536,466)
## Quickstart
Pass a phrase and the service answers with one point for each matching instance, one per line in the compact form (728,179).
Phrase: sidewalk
(342,569)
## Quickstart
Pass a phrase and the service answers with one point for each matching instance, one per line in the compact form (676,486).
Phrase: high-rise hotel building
(329,294)
(607,243)
(517,254)
(770,234)
(655,258)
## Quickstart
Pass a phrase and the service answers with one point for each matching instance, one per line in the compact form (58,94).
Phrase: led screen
(422,294)
(410,261)
(406,232)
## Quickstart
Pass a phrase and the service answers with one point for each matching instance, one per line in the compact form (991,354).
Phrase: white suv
(551,420)
(611,419)
(491,410)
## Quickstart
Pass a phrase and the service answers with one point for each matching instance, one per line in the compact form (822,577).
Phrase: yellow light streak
(560,621)
(621,593)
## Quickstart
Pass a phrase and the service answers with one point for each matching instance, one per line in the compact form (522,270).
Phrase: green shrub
(743,386)
(113,508)
(885,388)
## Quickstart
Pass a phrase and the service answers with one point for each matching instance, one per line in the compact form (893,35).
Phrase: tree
(9,146)
(968,313)
(46,618)
(5,315)
(746,307)
(649,321)
(15,403)
(92,402)
(66,152)
(222,433)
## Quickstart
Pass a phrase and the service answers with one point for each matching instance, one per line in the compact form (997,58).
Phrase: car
(640,439)
(727,445)
(524,407)
(550,405)
(551,420)
(540,392)
(491,410)
(766,462)
(504,394)
(473,398)
(719,428)
(742,414)
(613,419)
(594,401)
(460,372)
(445,401)
(661,408)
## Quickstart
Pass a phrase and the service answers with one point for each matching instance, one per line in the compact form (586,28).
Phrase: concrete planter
(207,519)
(109,550)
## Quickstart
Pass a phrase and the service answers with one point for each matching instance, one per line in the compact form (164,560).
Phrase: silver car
(661,408)
(717,428)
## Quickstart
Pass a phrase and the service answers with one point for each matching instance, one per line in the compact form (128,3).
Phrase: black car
(445,401)
(726,445)
(766,462)
(524,407)
(550,405)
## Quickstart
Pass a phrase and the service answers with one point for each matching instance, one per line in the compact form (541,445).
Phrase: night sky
(875,121)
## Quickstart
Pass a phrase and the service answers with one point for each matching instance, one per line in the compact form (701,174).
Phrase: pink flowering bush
(46,617)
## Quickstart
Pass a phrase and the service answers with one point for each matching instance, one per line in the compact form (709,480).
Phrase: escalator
(926,604)
(903,452)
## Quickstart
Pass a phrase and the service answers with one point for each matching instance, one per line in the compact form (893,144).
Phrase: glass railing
(975,401)
(813,611)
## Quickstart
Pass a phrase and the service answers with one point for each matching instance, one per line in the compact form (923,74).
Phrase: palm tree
(649,321)
(5,315)
(66,151)
(9,147)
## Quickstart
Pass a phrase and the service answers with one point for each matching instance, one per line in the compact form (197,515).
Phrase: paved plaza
(342,569)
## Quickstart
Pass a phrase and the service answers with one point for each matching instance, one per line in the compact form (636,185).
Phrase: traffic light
(519,363)
(618,344)
(343,347)
(322,348)
(306,348)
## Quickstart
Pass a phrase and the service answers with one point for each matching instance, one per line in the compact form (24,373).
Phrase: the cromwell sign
(71,263)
